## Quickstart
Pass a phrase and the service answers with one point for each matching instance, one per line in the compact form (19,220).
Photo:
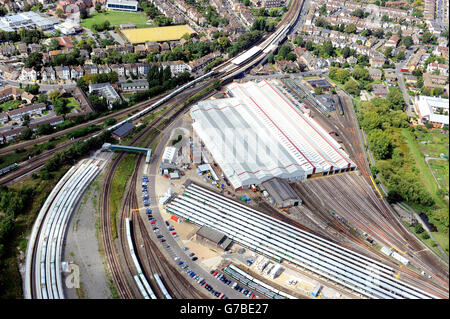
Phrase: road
(170,241)
(42,87)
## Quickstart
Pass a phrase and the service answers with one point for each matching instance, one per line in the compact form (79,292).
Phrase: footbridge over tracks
(124,148)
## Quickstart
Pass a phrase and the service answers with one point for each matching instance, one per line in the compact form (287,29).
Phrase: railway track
(100,120)
(108,241)
(361,204)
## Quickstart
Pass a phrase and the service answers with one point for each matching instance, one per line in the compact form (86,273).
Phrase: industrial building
(26,20)
(282,193)
(122,5)
(257,134)
(433,110)
(169,155)
(213,238)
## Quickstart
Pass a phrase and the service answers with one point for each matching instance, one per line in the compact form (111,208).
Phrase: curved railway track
(365,208)
(111,254)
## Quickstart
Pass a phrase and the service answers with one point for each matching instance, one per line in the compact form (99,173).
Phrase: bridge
(124,148)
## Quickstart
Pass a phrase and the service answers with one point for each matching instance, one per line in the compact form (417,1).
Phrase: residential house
(375,74)
(377,62)
(28,74)
(17,114)
(133,86)
(48,74)
(390,76)
(380,90)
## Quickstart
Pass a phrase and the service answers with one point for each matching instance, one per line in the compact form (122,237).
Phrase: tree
(358,13)
(44,129)
(26,134)
(3,11)
(60,106)
(380,144)
(98,7)
(379,33)
(388,52)
(346,52)
(271,58)
(318,90)
(54,45)
(427,37)
(400,56)
(350,28)
(42,98)
(32,89)
(59,12)
(323,9)
(34,60)
(352,87)
(360,73)
(54,95)
(395,100)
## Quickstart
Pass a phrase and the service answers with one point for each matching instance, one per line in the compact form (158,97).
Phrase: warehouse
(258,134)
(281,192)
(432,110)
(213,238)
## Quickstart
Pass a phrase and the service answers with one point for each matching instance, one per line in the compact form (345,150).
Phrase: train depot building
(257,133)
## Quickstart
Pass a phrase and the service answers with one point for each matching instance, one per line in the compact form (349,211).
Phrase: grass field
(116,18)
(160,34)
(121,177)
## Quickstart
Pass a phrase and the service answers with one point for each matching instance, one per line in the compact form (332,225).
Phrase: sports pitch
(156,34)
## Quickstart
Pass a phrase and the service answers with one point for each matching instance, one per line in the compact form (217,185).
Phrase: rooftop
(124,129)
(258,134)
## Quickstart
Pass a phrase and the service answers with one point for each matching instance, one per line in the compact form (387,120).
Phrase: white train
(143,284)
(162,287)
(53,222)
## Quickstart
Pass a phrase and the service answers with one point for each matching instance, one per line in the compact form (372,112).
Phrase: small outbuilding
(123,131)
(213,238)
(282,193)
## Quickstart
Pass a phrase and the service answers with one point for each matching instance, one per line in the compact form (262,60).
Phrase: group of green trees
(100,27)
(160,80)
(262,24)
(382,120)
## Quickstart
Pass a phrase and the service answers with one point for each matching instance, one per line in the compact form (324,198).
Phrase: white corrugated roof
(239,132)
(426,105)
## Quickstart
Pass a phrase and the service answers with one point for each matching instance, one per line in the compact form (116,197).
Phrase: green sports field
(116,18)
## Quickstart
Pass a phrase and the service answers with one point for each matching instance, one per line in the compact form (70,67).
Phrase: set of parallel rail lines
(385,222)
(110,251)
